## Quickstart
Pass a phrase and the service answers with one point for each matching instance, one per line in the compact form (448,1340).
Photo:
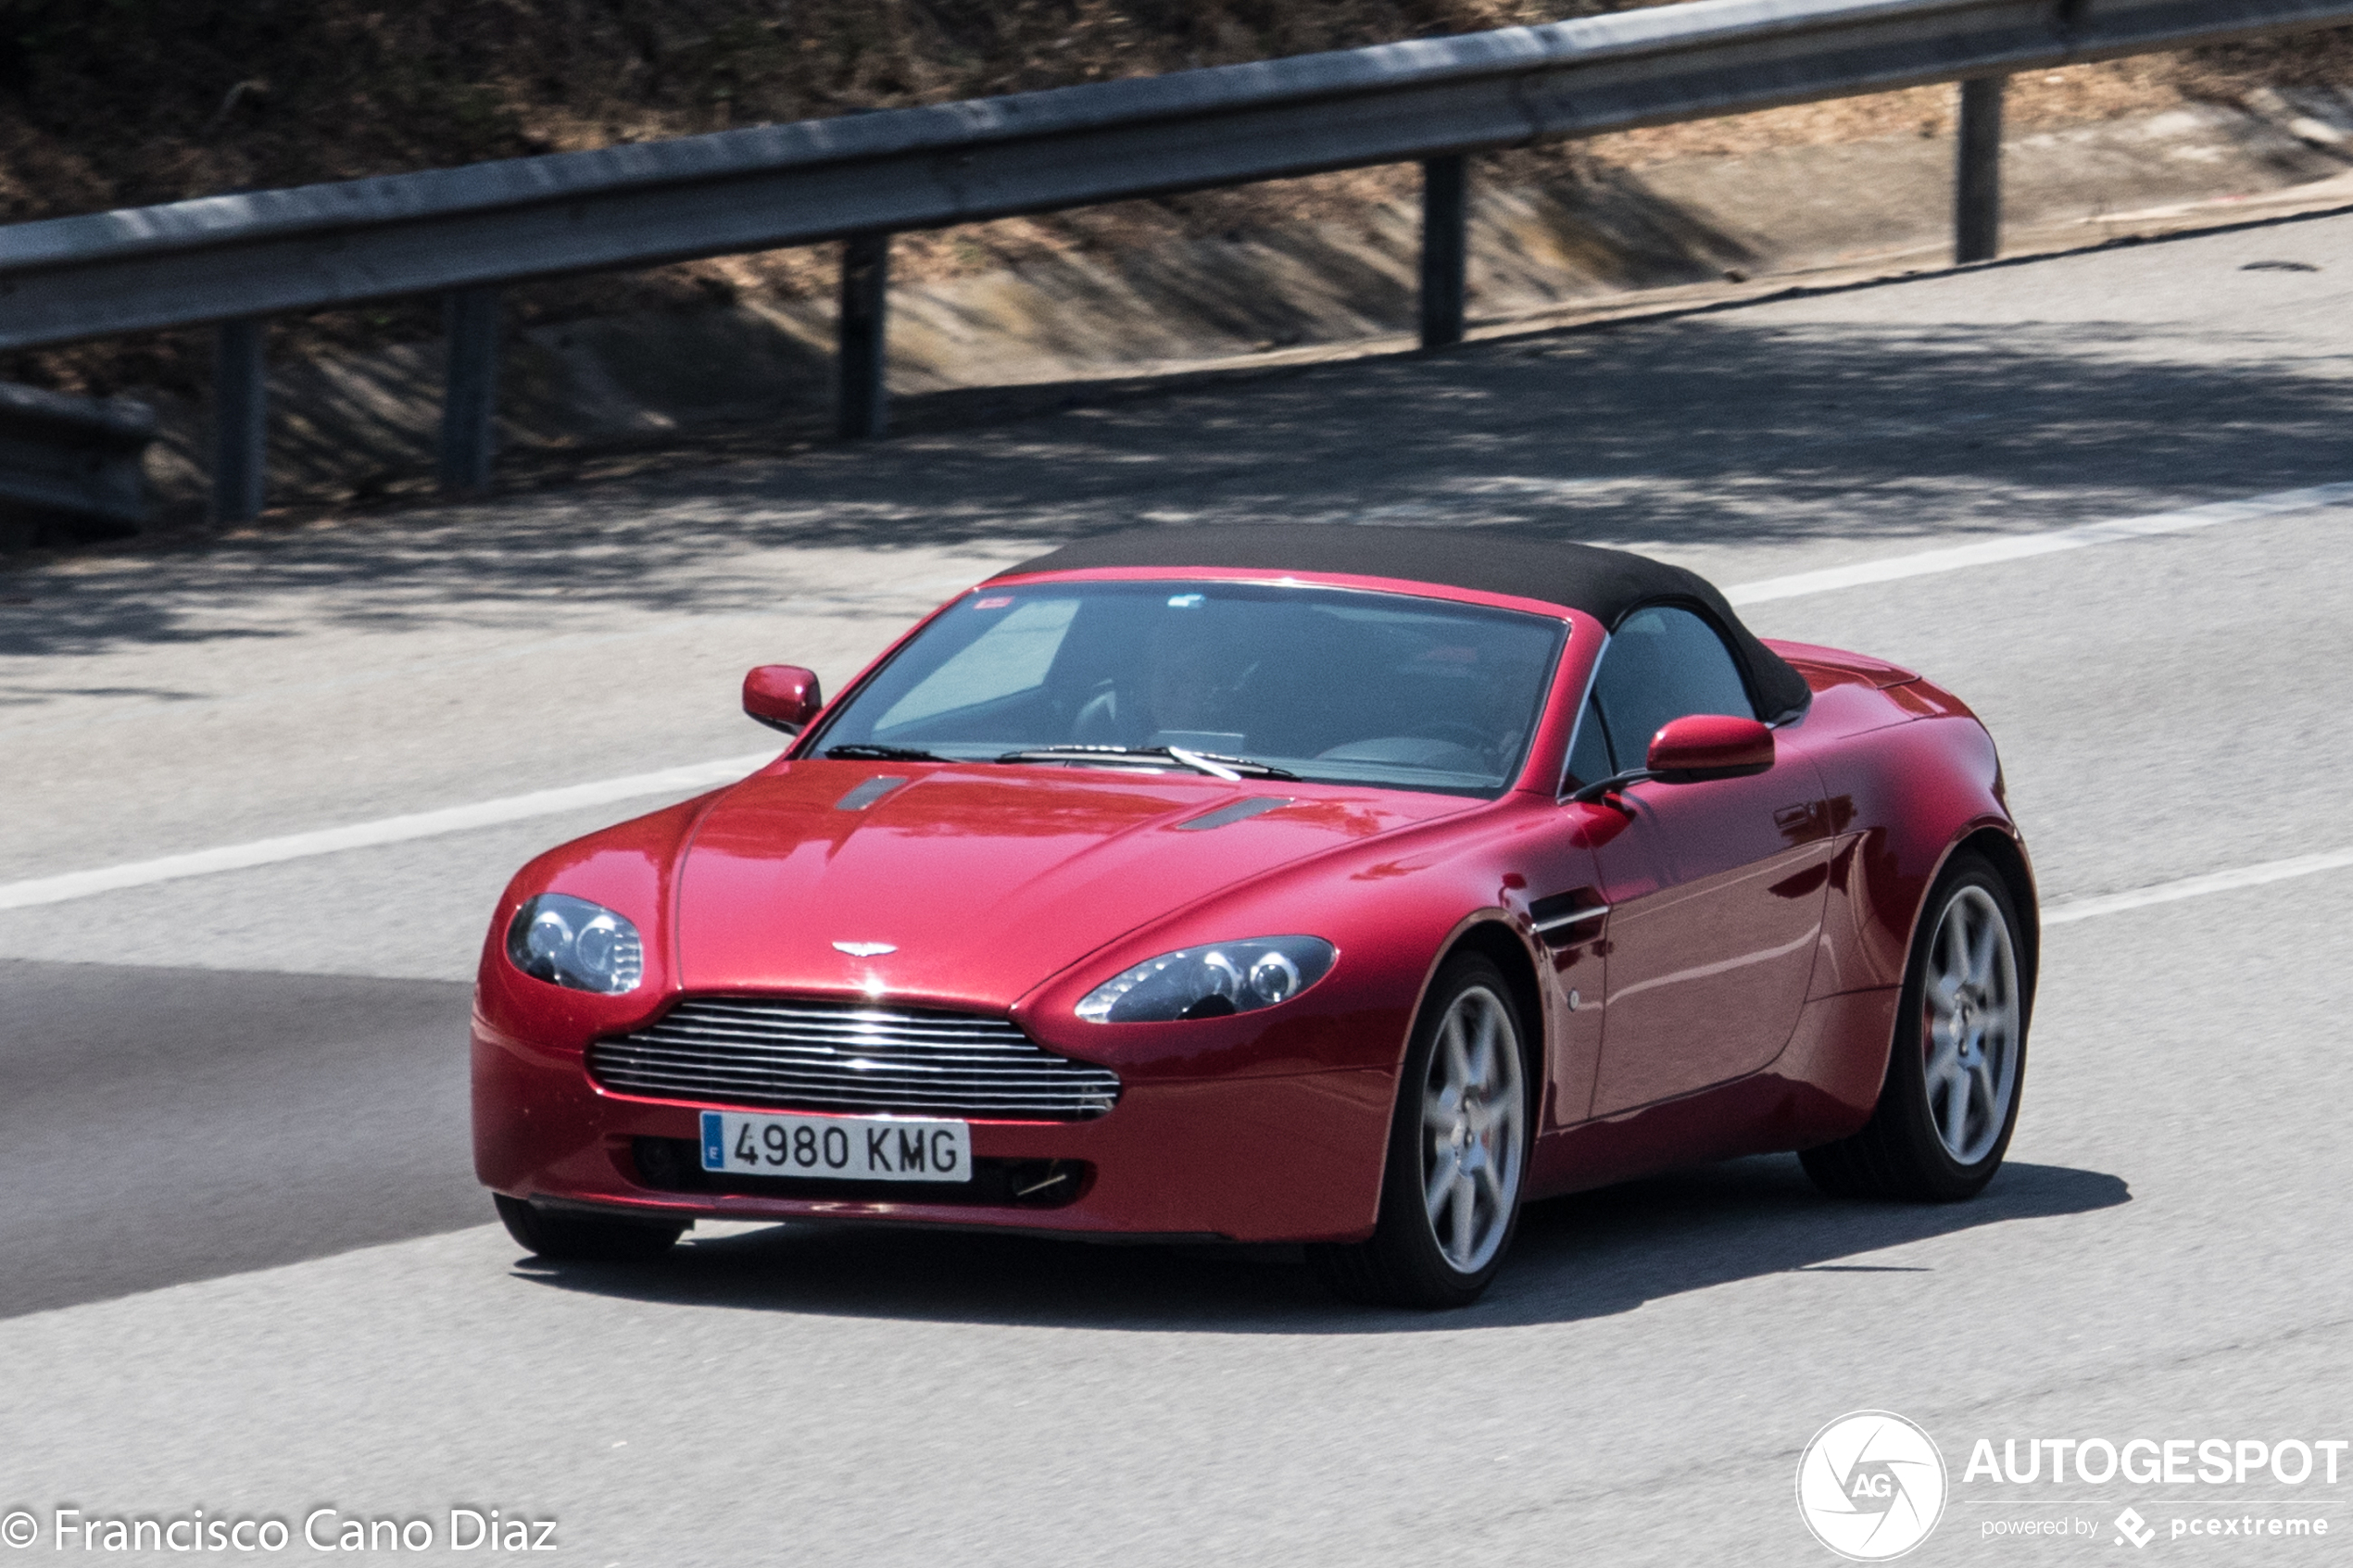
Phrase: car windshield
(1331,684)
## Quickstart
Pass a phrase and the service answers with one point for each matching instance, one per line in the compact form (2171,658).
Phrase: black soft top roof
(1606,584)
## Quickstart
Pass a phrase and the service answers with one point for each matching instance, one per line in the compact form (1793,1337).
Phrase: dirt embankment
(112,103)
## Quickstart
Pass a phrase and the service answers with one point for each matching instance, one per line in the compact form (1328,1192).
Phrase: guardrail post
(240,418)
(470,390)
(1444,247)
(1977,183)
(863,408)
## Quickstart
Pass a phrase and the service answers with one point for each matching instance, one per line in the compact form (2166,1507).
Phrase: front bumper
(1289,1158)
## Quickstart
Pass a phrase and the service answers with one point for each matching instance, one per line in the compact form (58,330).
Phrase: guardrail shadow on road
(1739,428)
(1590,1256)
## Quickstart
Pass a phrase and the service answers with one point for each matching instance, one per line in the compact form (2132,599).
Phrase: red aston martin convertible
(1349,886)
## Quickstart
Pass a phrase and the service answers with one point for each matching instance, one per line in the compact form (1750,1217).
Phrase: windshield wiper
(1216,764)
(1219,763)
(861,752)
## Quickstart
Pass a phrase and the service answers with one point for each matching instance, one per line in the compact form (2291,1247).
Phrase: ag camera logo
(1870,1486)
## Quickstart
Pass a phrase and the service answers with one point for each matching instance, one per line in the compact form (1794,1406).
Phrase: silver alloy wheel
(1970,1034)
(1474,1129)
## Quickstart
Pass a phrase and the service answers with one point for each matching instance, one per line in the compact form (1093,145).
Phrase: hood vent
(866,794)
(1240,811)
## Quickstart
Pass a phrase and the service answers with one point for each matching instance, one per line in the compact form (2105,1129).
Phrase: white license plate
(864,1148)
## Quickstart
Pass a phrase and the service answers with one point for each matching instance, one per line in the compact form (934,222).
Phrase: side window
(1661,664)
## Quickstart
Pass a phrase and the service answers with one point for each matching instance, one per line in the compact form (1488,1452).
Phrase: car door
(1714,889)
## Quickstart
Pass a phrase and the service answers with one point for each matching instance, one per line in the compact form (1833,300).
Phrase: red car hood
(983,881)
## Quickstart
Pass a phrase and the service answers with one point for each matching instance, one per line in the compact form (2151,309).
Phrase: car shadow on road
(1587,1256)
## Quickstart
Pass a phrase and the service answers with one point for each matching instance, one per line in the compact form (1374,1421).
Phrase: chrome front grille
(792,1055)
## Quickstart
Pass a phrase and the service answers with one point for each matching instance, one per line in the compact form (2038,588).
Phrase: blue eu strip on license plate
(863,1148)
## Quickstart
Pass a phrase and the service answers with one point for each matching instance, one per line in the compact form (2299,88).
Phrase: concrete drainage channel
(79,460)
(364,426)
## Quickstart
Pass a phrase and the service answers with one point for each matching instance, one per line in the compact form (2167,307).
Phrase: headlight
(573,942)
(1210,982)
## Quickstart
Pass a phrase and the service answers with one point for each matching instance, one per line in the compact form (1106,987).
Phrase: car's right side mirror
(1709,746)
(783,696)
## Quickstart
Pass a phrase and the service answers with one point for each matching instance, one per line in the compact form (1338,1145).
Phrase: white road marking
(386,830)
(2020,546)
(548,802)
(2197,886)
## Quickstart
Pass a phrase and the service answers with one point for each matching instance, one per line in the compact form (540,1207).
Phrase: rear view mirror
(1709,746)
(783,696)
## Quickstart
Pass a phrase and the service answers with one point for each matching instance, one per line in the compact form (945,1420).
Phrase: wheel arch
(1492,936)
(1994,845)
(2001,851)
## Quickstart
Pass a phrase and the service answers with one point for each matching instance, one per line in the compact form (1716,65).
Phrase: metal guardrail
(861,177)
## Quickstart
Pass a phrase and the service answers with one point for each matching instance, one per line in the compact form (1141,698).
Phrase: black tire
(1901,1153)
(1405,1264)
(570,1237)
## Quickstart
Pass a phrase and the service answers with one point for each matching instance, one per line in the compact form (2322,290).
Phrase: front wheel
(1458,1152)
(1958,1059)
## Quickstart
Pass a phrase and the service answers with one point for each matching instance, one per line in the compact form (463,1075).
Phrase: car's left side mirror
(1709,746)
(783,696)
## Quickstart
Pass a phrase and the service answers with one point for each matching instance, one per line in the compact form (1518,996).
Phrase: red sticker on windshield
(991,604)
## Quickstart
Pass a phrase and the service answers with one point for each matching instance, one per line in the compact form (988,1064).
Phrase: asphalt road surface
(244,1267)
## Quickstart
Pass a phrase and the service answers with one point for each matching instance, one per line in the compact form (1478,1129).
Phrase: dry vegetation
(113,103)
